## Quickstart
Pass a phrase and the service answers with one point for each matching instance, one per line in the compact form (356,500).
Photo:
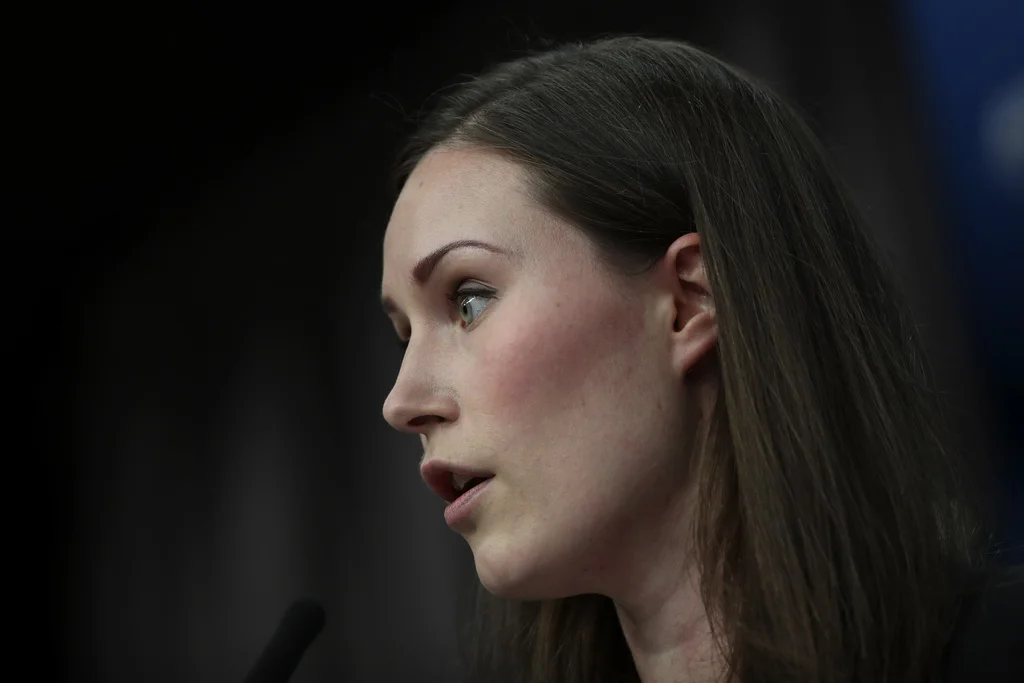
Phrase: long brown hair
(834,527)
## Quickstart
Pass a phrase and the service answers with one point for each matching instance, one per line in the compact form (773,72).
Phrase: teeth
(459,482)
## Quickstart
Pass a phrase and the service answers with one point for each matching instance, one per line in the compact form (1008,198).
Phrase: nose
(417,404)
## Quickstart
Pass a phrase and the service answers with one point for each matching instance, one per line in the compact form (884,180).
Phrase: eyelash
(457,293)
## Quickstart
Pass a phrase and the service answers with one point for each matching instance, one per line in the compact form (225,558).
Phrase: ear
(695,329)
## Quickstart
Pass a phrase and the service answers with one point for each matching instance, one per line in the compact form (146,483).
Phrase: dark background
(196,352)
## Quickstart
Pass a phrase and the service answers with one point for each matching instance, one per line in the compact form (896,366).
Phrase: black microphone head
(301,623)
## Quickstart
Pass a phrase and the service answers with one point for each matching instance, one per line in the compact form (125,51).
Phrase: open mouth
(450,482)
(463,484)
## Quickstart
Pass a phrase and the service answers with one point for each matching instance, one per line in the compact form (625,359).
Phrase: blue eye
(470,303)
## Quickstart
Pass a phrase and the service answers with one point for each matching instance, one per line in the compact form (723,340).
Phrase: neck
(668,633)
(658,599)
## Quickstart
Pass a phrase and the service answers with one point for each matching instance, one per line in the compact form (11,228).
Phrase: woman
(665,384)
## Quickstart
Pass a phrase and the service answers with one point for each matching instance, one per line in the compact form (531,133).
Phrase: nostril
(424,420)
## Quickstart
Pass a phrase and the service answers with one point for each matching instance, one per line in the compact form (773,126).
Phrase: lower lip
(462,507)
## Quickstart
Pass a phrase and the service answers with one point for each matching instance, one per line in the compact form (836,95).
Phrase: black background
(199,203)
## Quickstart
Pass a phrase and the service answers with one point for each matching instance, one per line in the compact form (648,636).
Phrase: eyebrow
(422,271)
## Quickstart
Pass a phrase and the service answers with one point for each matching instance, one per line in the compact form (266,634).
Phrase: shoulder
(988,639)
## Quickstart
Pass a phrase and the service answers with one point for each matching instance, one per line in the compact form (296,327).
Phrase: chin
(516,575)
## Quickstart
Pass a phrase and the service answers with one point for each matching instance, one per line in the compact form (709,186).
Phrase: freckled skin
(563,386)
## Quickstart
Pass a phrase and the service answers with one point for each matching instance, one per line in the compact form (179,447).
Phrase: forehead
(458,194)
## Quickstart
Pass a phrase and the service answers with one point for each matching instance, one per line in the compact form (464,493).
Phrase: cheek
(537,364)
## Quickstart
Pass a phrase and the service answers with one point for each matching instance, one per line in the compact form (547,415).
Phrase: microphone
(300,624)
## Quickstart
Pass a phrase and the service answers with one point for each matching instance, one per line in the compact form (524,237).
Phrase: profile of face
(531,361)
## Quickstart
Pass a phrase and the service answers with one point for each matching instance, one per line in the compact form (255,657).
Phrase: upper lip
(438,476)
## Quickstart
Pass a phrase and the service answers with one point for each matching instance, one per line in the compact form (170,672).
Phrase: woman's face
(556,375)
